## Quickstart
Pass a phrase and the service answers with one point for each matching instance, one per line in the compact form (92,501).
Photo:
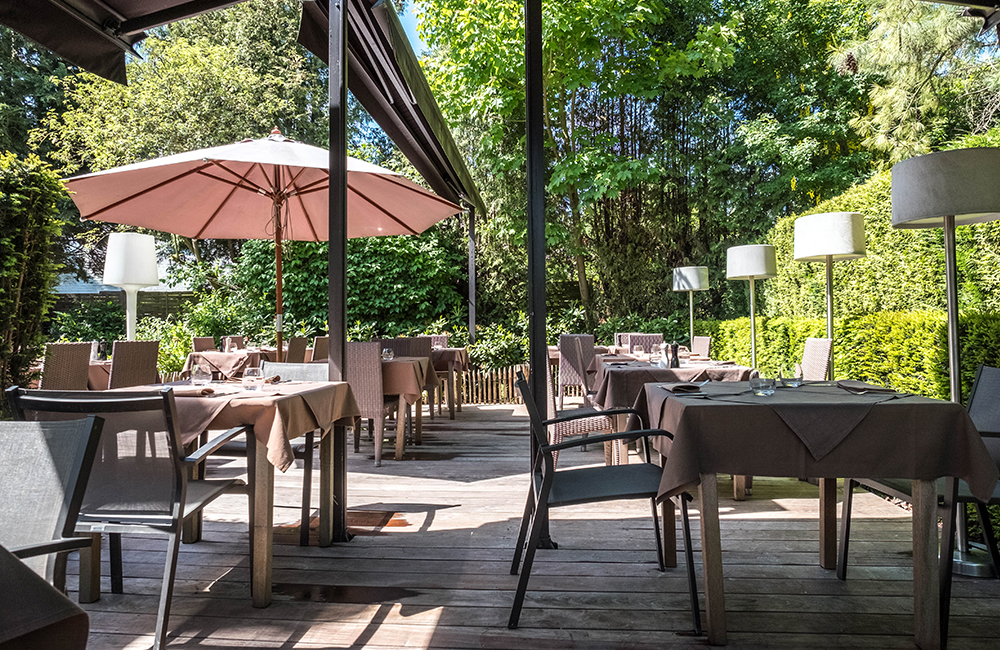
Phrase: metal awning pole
(472,274)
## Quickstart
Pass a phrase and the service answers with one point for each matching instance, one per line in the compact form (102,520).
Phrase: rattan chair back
(437,340)
(702,346)
(133,363)
(816,359)
(233,343)
(321,348)
(647,341)
(296,352)
(66,366)
(203,344)
(364,374)
(576,351)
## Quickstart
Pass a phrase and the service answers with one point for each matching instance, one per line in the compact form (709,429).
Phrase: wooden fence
(482,386)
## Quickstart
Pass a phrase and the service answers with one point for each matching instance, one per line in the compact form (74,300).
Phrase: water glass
(388,354)
(654,353)
(252,379)
(791,377)
(762,386)
(637,350)
(201,376)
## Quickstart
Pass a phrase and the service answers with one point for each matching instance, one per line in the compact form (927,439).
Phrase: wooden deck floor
(428,567)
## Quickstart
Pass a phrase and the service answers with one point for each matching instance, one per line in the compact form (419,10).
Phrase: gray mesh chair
(44,467)
(233,343)
(296,352)
(550,488)
(203,344)
(66,366)
(702,346)
(647,341)
(984,410)
(576,352)
(364,374)
(321,348)
(139,482)
(133,363)
(816,359)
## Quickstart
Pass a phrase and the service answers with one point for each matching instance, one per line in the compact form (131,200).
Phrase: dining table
(826,430)
(454,361)
(406,378)
(274,416)
(222,365)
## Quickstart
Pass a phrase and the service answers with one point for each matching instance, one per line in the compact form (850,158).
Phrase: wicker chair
(66,366)
(203,344)
(621,339)
(296,352)
(816,359)
(576,352)
(583,426)
(321,348)
(133,363)
(647,341)
(139,483)
(364,374)
(233,343)
(437,340)
(702,346)
(417,346)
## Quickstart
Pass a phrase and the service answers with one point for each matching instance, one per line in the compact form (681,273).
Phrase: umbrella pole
(279,310)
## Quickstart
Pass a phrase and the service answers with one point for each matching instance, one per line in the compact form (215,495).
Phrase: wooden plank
(926,613)
(828,523)
(261,540)
(711,545)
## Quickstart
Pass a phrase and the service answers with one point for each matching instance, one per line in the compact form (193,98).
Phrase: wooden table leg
(669,525)
(451,391)
(711,559)
(418,426)
(828,523)
(261,537)
(90,569)
(191,527)
(458,389)
(926,596)
(739,487)
(401,411)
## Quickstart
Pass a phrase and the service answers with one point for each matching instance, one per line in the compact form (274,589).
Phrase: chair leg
(689,561)
(989,536)
(522,532)
(357,434)
(307,488)
(659,540)
(560,389)
(90,569)
(529,557)
(845,528)
(115,551)
(167,590)
(371,427)
(431,392)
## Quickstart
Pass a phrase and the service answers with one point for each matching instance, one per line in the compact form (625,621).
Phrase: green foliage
(673,328)
(29,193)
(174,337)
(103,320)
(780,341)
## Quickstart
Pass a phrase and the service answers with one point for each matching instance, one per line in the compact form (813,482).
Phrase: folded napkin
(272,380)
(860,387)
(679,388)
(193,391)
(725,363)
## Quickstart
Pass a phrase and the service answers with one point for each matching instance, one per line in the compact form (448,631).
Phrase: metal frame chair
(66,366)
(550,489)
(139,484)
(133,363)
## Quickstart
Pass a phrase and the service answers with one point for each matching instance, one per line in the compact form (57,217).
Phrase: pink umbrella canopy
(256,189)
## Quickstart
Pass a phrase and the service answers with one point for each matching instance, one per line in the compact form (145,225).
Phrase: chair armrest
(214,444)
(592,414)
(53,546)
(593,440)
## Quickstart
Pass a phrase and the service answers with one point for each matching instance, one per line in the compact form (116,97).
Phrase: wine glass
(252,379)
(388,354)
(637,350)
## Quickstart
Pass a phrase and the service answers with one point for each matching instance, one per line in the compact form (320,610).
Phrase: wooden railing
(482,386)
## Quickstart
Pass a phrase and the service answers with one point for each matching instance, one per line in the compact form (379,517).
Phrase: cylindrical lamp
(829,237)
(130,263)
(691,279)
(946,189)
(749,263)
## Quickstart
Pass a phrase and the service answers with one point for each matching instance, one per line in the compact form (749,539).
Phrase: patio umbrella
(273,187)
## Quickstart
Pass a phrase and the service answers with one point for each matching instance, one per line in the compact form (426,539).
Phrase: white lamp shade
(691,278)
(960,183)
(839,235)
(130,260)
(753,261)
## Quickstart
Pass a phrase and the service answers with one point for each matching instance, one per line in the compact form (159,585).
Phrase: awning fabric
(385,76)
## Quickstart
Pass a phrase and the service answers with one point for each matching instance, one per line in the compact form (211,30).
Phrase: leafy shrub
(29,224)
(673,327)
(499,345)
(102,320)
(174,337)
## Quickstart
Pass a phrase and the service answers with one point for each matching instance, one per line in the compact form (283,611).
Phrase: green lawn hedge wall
(905,350)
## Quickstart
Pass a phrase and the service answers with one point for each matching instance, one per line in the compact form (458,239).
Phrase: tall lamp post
(948,189)
(829,237)
(691,279)
(751,262)
(130,263)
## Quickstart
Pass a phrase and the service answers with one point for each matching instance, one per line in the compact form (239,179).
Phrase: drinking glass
(762,386)
(637,350)
(252,379)
(791,377)
(654,353)
(201,376)
(388,354)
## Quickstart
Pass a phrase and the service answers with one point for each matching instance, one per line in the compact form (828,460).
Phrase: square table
(449,360)
(224,365)
(618,380)
(819,430)
(407,377)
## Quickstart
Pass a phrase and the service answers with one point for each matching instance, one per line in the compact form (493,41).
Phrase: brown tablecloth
(277,413)
(618,386)
(99,375)
(733,432)
(228,364)
(35,615)
(407,376)
(444,356)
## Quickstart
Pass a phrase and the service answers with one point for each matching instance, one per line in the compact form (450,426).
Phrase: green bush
(102,320)
(174,337)
(674,328)
(29,223)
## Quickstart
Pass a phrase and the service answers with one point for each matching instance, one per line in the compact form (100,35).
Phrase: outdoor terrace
(429,566)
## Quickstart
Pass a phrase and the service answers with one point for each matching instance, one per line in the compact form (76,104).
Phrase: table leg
(90,569)
(458,390)
(740,487)
(261,538)
(451,391)
(418,427)
(401,411)
(711,559)
(669,525)
(828,523)
(926,595)
(191,527)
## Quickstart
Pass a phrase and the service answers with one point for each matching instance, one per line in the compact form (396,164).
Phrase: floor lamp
(829,237)
(750,263)
(948,189)
(691,279)
(130,263)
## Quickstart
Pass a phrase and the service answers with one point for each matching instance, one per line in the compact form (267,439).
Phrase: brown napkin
(193,391)
(678,388)
(860,387)
(272,380)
